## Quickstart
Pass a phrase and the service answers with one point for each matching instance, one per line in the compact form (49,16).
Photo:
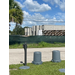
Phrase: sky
(41,12)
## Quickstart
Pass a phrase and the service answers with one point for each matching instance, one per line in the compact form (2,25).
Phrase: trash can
(56,56)
(37,58)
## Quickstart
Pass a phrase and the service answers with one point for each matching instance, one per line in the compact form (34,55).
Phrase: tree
(9,26)
(15,12)
(18,30)
(9,31)
(26,27)
(13,4)
(16,15)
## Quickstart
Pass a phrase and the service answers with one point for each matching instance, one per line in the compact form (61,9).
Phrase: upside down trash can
(37,58)
(56,56)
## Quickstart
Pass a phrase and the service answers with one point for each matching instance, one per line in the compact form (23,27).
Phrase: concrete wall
(54,27)
(28,31)
(34,30)
(25,31)
(37,28)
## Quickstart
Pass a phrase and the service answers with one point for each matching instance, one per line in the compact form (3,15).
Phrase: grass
(47,68)
(39,45)
(15,46)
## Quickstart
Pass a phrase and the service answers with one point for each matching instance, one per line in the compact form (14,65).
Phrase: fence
(35,39)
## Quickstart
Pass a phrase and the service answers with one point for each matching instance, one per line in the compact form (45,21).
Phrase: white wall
(54,27)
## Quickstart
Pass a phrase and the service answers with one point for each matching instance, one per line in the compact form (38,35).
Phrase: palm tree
(15,12)
(12,15)
(16,15)
(11,4)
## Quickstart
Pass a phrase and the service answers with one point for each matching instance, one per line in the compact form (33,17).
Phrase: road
(17,55)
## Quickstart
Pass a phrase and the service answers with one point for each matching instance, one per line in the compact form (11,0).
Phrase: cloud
(21,5)
(62,6)
(38,19)
(60,15)
(34,6)
(25,13)
(56,6)
(60,3)
(57,1)
(50,1)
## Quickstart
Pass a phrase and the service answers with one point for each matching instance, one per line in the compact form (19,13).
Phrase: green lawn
(39,45)
(47,68)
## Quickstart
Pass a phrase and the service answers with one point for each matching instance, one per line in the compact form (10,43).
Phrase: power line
(43,18)
(36,25)
(45,21)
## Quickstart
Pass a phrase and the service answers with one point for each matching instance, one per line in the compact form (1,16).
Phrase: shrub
(43,44)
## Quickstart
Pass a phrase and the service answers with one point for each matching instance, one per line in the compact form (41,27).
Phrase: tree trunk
(12,19)
(16,24)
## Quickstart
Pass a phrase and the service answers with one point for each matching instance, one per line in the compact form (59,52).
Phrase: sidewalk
(17,55)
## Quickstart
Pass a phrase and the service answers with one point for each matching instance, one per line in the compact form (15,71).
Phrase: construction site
(49,30)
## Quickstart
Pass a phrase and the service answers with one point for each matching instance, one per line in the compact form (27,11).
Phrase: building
(52,30)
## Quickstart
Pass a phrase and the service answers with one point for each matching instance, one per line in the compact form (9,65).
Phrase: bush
(18,30)
(43,44)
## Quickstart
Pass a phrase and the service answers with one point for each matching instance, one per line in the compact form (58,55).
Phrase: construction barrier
(35,39)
